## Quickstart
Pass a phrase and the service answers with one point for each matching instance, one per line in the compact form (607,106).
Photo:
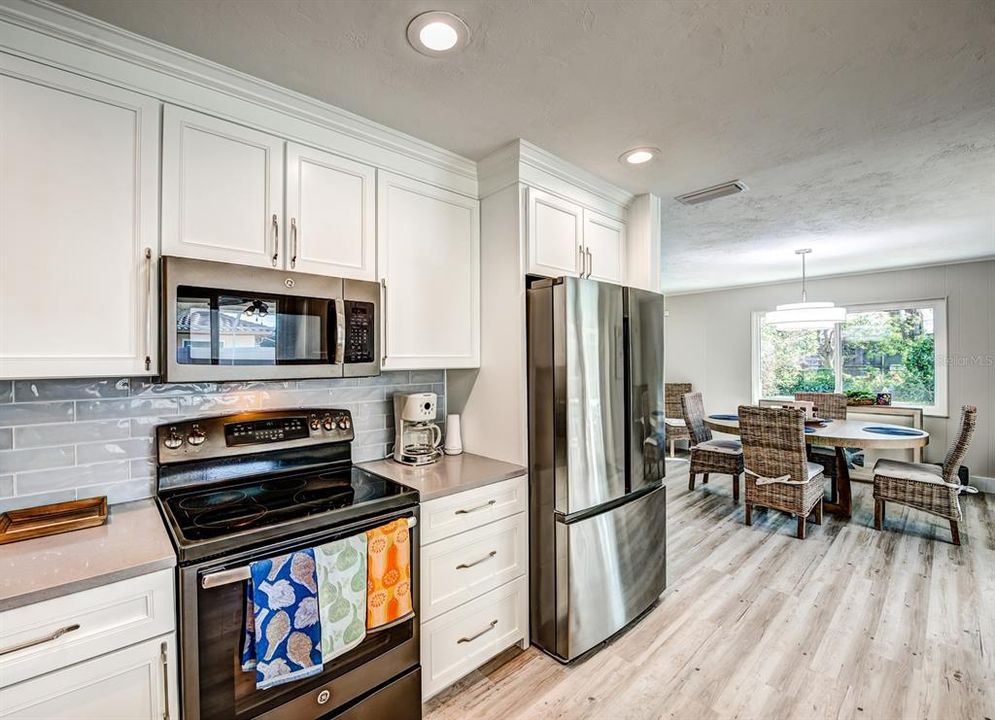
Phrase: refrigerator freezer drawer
(610,568)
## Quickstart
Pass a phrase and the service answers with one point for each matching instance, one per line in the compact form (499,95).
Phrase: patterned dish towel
(389,572)
(282,642)
(341,594)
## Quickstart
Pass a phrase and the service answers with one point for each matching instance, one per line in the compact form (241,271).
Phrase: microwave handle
(240,574)
(339,331)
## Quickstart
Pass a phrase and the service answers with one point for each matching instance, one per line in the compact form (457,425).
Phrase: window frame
(940,365)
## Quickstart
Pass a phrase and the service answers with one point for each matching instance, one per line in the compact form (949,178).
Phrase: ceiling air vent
(711,193)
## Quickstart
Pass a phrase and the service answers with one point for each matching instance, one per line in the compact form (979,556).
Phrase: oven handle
(240,574)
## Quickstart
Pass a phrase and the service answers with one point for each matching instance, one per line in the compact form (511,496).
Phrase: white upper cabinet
(428,249)
(604,245)
(331,214)
(555,232)
(222,190)
(78,225)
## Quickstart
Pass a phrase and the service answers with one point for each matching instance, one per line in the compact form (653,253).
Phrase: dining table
(839,435)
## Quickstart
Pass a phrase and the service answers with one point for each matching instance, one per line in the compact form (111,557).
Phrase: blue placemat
(897,431)
(724,417)
(810,429)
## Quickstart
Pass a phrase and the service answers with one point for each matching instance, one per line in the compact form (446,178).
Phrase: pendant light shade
(806,315)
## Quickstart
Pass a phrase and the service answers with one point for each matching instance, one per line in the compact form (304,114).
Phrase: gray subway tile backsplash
(114,450)
(70,389)
(13,414)
(15,461)
(62,439)
(71,433)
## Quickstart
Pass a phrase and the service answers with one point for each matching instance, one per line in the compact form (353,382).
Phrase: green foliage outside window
(881,351)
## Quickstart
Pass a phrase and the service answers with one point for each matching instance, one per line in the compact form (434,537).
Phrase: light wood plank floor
(848,623)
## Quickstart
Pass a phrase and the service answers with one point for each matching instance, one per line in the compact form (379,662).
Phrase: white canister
(454,439)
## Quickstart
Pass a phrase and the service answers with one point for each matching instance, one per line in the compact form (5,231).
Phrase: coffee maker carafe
(417,439)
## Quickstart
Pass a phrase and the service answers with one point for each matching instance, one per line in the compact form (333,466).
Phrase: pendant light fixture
(806,315)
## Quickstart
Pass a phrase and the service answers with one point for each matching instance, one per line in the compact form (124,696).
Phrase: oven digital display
(266,431)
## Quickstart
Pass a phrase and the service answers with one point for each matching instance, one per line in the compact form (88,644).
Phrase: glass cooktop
(205,514)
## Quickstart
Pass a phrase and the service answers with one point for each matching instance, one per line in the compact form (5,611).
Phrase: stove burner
(230,517)
(212,500)
(325,489)
(283,486)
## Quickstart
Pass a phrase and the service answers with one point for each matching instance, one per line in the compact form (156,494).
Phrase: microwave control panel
(360,331)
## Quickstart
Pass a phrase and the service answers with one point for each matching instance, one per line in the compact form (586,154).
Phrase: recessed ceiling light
(639,155)
(438,33)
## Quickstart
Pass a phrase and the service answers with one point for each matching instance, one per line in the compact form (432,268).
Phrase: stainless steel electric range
(245,487)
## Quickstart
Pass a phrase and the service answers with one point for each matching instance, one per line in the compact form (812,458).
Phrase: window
(888,347)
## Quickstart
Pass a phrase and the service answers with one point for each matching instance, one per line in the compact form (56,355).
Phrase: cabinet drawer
(461,640)
(464,566)
(137,683)
(470,509)
(94,622)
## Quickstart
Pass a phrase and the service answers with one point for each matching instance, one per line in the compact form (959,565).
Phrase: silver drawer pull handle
(464,566)
(474,637)
(39,641)
(486,505)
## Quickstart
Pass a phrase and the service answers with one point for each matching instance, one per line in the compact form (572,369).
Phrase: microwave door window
(194,330)
(301,331)
(246,328)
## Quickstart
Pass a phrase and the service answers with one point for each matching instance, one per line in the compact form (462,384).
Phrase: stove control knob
(345,423)
(196,436)
(315,423)
(328,423)
(173,440)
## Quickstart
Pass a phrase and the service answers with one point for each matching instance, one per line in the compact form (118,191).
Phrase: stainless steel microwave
(223,322)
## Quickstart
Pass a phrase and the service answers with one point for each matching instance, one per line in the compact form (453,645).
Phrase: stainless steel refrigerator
(596,460)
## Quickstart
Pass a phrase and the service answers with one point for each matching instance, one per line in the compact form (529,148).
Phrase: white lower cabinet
(105,653)
(136,683)
(474,588)
(463,639)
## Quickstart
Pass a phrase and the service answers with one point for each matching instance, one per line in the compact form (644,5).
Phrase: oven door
(234,322)
(214,687)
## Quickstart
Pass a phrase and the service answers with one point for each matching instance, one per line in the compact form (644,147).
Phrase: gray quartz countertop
(451,474)
(132,542)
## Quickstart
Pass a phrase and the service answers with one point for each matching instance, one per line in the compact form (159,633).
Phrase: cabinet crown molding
(22,21)
(521,161)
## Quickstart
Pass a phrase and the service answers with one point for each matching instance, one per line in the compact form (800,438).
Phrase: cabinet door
(136,683)
(428,256)
(555,231)
(78,215)
(331,214)
(222,190)
(604,239)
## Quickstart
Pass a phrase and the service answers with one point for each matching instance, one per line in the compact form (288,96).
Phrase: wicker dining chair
(707,454)
(674,414)
(828,406)
(934,489)
(778,475)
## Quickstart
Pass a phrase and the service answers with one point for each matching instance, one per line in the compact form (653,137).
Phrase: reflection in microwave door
(257,308)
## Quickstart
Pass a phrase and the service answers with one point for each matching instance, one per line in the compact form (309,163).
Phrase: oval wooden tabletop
(843,433)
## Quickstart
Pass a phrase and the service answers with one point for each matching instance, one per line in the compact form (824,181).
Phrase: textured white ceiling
(864,129)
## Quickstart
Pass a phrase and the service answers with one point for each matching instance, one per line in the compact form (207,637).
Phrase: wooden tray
(52,519)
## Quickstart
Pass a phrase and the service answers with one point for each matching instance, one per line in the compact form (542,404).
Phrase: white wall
(709,341)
